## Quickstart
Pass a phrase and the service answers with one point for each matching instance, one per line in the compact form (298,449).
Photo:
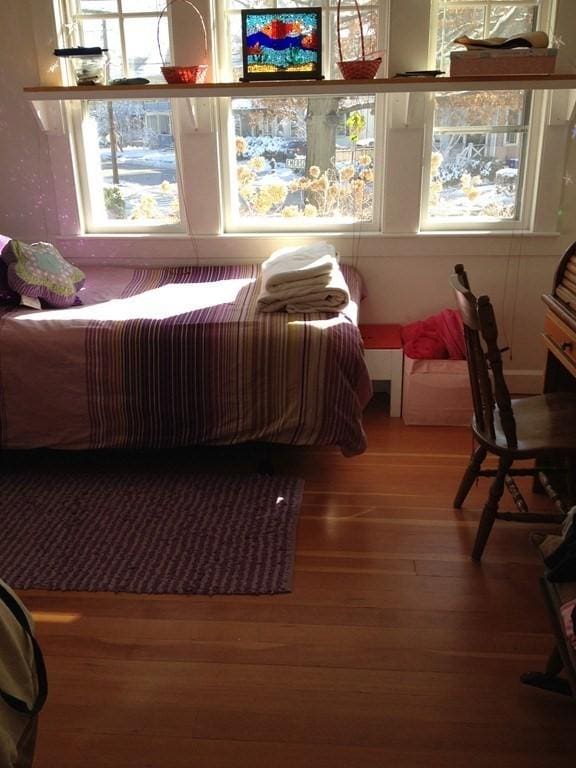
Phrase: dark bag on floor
(23,685)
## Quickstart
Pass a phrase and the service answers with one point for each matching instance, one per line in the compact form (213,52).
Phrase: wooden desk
(560,327)
(560,339)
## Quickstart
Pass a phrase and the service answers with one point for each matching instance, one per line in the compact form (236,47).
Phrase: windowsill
(353,235)
(516,233)
(391,251)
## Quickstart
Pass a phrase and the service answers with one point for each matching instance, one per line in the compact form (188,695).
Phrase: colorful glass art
(283,44)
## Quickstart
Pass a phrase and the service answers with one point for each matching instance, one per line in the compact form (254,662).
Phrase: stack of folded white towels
(305,279)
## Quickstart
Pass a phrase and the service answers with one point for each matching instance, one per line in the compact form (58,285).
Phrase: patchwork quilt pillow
(38,270)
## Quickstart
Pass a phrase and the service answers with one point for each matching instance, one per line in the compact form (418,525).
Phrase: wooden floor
(393,649)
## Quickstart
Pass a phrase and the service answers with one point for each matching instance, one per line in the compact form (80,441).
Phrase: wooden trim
(295,87)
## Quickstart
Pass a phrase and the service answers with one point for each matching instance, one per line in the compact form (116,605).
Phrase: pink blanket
(438,337)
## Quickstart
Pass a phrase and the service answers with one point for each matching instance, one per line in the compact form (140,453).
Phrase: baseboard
(524,382)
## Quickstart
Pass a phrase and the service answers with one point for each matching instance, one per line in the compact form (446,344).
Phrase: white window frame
(87,171)
(197,129)
(535,137)
(511,137)
(233,225)
(532,138)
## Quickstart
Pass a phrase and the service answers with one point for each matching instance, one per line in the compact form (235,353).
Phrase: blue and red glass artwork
(282,44)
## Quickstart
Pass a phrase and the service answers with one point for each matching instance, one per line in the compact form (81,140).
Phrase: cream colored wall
(409,25)
(406,276)
(27,195)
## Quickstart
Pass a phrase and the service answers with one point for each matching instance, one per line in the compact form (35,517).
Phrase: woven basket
(357,69)
(193,73)
(361,69)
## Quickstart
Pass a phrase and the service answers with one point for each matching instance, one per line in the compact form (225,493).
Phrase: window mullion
(405,142)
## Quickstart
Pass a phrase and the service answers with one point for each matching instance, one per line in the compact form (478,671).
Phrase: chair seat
(545,424)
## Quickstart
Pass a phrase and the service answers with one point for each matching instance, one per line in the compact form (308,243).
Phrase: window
(453,160)
(127,157)
(302,163)
(481,142)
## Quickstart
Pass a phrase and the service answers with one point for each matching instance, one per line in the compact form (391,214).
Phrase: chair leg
(469,476)
(490,509)
(549,680)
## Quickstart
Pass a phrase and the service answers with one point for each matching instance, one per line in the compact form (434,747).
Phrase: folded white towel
(287,290)
(326,293)
(287,265)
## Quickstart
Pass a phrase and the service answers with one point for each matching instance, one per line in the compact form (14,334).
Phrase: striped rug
(148,532)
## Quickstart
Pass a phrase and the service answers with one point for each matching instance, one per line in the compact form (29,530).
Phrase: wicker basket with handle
(357,69)
(194,73)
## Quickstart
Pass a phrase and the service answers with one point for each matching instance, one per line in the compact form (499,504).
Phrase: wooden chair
(540,427)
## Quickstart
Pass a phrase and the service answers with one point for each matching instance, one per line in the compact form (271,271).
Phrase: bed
(180,356)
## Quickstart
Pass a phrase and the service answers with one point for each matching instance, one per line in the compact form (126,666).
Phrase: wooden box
(512,61)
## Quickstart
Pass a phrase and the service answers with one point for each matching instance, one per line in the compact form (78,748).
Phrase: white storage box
(436,392)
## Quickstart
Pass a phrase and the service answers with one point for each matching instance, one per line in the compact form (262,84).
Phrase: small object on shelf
(358,69)
(420,73)
(508,61)
(282,44)
(88,64)
(193,73)
(79,50)
(129,81)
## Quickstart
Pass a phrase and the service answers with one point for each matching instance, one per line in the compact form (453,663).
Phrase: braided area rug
(148,532)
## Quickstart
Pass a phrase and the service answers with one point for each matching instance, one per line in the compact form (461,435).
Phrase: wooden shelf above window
(302,88)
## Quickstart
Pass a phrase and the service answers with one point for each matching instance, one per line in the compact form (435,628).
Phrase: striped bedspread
(180,356)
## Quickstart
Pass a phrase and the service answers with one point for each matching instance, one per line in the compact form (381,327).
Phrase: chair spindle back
(489,331)
(484,367)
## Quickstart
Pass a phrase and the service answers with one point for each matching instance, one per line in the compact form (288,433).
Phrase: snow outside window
(480,142)
(302,163)
(126,149)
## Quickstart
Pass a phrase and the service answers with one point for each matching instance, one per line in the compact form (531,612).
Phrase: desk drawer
(561,340)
